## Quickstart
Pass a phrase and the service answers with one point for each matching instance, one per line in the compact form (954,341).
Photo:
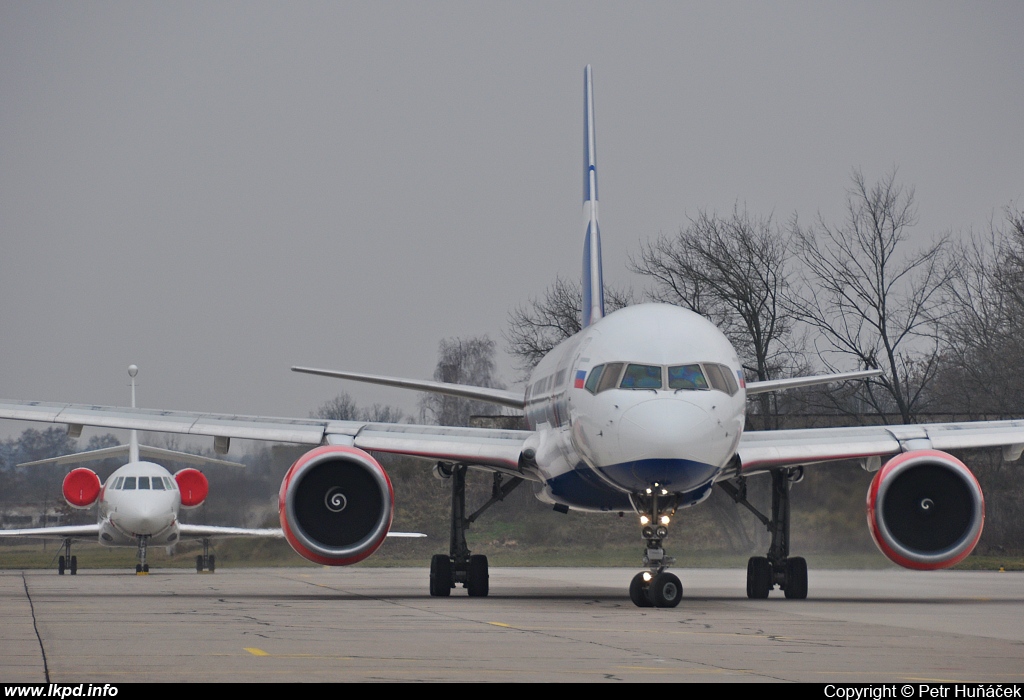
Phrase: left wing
(58,532)
(494,449)
(774,449)
(202,531)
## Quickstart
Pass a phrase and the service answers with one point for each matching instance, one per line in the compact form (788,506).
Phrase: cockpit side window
(117,483)
(129,483)
(687,377)
(170,483)
(721,378)
(641,377)
(593,379)
(610,376)
(144,483)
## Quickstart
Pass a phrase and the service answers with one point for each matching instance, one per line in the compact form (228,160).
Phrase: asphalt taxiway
(538,624)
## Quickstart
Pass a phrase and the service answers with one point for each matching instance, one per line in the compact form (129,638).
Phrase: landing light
(644,520)
(665,520)
(647,577)
(648,492)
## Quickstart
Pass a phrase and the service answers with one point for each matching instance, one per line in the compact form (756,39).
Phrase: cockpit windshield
(686,377)
(641,377)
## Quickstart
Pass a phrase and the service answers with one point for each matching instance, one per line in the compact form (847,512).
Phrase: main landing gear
(67,562)
(655,587)
(206,561)
(142,568)
(459,566)
(778,568)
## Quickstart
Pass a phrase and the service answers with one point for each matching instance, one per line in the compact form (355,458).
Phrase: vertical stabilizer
(133,436)
(593,279)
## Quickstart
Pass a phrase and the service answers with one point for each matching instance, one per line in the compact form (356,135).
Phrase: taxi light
(665,520)
(644,520)
(647,577)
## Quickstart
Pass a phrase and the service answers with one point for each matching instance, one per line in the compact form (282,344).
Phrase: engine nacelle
(193,486)
(81,487)
(336,504)
(925,510)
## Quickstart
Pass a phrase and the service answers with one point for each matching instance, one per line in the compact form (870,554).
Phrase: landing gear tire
(74,565)
(759,577)
(477,579)
(441,580)
(138,568)
(665,590)
(796,578)
(61,564)
(145,568)
(638,592)
(199,563)
(213,563)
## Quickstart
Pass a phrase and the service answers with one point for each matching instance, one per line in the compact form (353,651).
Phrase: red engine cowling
(336,505)
(193,486)
(925,510)
(81,487)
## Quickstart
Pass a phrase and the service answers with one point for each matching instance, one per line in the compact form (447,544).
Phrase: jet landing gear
(206,561)
(67,562)
(655,587)
(142,568)
(459,566)
(778,568)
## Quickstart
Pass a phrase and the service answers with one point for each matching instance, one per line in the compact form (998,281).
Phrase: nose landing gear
(66,561)
(655,587)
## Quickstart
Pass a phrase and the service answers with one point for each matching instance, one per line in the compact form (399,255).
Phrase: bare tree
(733,271)
(537,326)
(343,407)
(983,332)
(871,301)
(461,361)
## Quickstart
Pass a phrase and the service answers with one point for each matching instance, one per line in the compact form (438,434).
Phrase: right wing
(58,532)
(498,450)
(144,451)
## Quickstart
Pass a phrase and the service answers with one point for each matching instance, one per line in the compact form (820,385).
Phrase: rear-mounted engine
(336,504)
(193,486)
(925,510)
(81,487)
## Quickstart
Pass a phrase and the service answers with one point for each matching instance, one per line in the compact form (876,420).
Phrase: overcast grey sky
(218,190)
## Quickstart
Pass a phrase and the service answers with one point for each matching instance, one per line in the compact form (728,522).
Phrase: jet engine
(81,487)
(336,504)
(193,486)
(925,510)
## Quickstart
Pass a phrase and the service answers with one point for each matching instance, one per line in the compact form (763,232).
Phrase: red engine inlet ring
(81,487)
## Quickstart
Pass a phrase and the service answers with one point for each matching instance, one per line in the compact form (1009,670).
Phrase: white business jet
(640,412)
(138,505)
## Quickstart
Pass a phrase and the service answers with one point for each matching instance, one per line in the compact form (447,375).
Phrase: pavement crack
(35,626)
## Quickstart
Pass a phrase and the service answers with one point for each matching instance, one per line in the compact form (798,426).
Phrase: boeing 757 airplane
(641,412)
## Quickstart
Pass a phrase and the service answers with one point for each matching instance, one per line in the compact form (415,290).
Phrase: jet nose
(662,428)
(145,519)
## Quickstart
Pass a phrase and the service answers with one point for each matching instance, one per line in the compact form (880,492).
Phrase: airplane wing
(58,532)
(202,531)
(122,450)
(774,449)
(495,449)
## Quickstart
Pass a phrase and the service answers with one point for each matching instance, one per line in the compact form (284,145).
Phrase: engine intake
(193,486)
(925,510)
(336,504)
(81,487)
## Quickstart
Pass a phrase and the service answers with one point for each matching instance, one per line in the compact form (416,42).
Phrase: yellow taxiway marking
(500,624)
(256,652)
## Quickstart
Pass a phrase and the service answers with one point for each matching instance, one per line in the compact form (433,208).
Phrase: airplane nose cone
(145,519)
(661,428)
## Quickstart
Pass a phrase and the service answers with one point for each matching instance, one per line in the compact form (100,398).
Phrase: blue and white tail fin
(593,278)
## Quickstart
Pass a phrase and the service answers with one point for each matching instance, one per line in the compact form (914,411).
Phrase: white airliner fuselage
(648,397)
